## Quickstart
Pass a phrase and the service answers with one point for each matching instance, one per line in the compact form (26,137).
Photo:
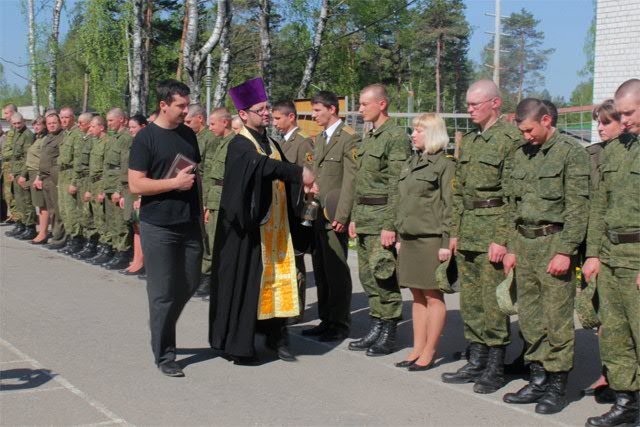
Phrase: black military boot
(78,244)
(533,391)
(67,245)
(555,398)
(492,379)
(477,362)
(624,411)
(204,288)
(54,246)
(386,342)
(89,250)
(119,261)
(104,256)
(16,230)
(370,338)
(100,249)
(28,234)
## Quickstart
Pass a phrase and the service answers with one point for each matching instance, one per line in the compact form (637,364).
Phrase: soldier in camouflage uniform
(613,251)
(116,151)
(7,152)
(80,184)
(22,140)
(70,213)
(550,189)
(98,131)
(381,155)
(481,224)
(297,148)
(334,160)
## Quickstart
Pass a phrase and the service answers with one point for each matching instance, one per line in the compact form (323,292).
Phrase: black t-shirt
(153,151)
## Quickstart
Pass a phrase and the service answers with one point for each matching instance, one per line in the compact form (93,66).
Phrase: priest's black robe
(237,254)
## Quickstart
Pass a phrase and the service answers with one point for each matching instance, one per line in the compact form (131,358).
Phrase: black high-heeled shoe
(405,363)
(415,367)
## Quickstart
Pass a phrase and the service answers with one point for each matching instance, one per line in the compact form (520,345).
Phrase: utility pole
(496,44)
(207,83)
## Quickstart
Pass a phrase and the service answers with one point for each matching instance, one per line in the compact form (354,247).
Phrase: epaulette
(303,134)
(349,130)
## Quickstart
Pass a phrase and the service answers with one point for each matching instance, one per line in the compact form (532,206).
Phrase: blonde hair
(435,132)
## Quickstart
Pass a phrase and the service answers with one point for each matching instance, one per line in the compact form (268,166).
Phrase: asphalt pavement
(74,350)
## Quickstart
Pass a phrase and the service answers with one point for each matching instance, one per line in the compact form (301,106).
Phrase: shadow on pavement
(23,378)
(196,355)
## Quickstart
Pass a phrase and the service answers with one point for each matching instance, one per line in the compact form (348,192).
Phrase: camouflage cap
(447,276)
(586,296)
(382,262)
(507,296)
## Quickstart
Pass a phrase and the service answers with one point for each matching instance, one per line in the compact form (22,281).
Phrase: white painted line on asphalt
(5,392)
(17,361)
(104,423)
(546,419)
(67,385)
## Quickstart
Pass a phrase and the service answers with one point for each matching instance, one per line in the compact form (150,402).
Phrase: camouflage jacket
(207,142)
(81,160)
(22,140)
(424,196)
(615,203)
(298,149)
(482,173)
(72,138)
(381,155)
(112,168)
(550,185)
(213,174)
(96,164)
(7,148)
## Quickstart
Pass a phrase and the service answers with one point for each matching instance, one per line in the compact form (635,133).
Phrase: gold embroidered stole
(278,284)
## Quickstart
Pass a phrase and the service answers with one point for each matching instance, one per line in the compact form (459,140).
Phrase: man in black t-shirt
(170,218)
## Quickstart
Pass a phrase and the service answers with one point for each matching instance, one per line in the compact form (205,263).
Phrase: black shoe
(386,342)
(119,261)
(555,398)
(7,222)
(417,368)
(534,390)
(492,378)
(28,234)
(316,330)
(15,231)
(142,276)
(204,289)
(623,412)
(285,354)
(362,344)
(126,272)
(242,360)
(478,355)
(40,242)
(333,334)
(171,369)
(605,395)
(405,363)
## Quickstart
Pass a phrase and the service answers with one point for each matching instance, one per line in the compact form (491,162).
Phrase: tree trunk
(521,69)
(145,55)
(32,56)
(185,24)
(265,44)
(194,59)
(225,65)
(314,53)
(53,53)
(438,41)
(137,75)
(85,92)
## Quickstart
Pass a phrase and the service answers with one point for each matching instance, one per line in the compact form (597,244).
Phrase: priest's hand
(338,227)
(313,190)
(185,179)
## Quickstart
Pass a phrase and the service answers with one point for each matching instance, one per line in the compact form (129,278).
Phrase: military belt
(533,232)
(219,182)
(623,237)
(481,204)
(372,201)
(95,178)
(114,167)
(65,168)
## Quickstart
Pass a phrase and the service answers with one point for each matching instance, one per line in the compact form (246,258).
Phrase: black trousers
(172,260)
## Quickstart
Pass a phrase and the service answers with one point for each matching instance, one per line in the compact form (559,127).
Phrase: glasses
(475,105)
(265,109)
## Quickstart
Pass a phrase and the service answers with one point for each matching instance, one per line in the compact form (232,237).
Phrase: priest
(254,287)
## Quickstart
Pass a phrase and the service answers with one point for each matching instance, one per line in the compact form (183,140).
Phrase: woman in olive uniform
(37,197)
(424,214)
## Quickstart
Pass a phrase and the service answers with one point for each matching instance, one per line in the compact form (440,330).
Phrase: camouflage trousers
(68,205)
(484,323)
(210,228)
(620,335)
(7,191)
(98,218)
(545,304)
(116,227)
(24,205)
(86,217)
(376,269)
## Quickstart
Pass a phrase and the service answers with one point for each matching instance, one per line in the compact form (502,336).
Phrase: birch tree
(265,44)
(225,64)
(137,73)
(53,53)
(32,57)
(314,53)
(194,58)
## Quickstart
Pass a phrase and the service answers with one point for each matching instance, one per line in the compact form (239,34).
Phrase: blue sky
(564,22)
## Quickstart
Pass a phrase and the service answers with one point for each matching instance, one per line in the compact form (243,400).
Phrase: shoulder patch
(354,153)
(349,130)
(303,134)
(308,157)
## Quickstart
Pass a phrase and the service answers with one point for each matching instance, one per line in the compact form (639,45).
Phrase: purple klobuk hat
(248,93)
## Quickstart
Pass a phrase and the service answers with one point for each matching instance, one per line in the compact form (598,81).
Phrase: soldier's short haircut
(553,110)
(196,110)
(221,112)
(285,107)
(67,108)
(139,119)
(533,108)
(51,113)
(17,117)
(117,112)
(85,117)
(378,90)
(327,99)
(11,106)
(630,87)
(100,121)
(605,112)
(166,89)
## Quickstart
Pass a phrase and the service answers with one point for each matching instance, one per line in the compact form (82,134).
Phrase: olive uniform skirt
(37,196)
(418,261)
